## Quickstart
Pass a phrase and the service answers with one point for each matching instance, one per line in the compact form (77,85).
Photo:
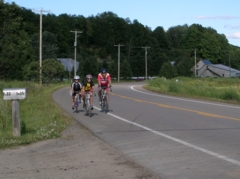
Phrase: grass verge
(40,117)
(215,89)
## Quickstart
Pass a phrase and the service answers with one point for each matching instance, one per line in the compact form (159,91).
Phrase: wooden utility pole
(118,60)
(146,60)
(75,51)
(40,46)
(229,63)
(195,52)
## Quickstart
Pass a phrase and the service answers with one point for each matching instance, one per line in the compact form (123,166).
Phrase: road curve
(177,138)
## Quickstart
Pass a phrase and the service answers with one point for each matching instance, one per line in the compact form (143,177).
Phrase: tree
(15,48)
(168,70)
(113,69)
(209,48)
(52,70)
(90,66)
(126,70)
(31,71)
(176,35)
(49,45)
(184,66)
(161,37)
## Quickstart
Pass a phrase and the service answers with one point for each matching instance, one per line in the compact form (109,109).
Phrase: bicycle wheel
(88,108)
(90,111)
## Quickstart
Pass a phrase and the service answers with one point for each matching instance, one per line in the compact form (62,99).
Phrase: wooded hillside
(97,44)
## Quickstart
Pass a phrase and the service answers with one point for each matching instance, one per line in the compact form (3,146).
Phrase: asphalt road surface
(176,138)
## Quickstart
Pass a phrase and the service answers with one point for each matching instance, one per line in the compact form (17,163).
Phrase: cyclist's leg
(80,96)
(91,98)
(107,99)
(73,100)
(84,99)
(99,94)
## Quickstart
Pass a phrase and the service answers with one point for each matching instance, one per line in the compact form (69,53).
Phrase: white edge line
(176,140)
(195,101)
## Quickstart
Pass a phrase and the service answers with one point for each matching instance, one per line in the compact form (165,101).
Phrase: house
(204,68)
(68,64)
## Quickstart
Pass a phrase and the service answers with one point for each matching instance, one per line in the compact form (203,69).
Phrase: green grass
(217,89)
(40,117)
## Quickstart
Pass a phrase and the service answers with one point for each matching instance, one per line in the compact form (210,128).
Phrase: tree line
(97,45)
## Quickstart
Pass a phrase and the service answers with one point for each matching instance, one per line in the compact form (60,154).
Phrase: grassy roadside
(214,89)
(40,117)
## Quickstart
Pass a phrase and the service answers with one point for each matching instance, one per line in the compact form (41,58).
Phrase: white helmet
(76,77)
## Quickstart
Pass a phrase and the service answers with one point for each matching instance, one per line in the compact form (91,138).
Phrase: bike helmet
(89,76)
(103,70)
(76,77)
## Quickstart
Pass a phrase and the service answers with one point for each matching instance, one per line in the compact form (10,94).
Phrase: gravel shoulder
(76,154)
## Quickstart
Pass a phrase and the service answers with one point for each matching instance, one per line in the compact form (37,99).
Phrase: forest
(97,45)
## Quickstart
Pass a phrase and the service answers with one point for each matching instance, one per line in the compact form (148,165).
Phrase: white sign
(14,93)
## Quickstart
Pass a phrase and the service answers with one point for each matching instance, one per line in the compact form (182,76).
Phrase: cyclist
(88,85)
(104,79)
(76,86)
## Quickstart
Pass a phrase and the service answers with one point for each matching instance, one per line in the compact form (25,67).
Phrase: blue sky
(221,15)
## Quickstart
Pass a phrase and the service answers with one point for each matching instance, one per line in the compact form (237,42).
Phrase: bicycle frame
(104,98)
(87,102)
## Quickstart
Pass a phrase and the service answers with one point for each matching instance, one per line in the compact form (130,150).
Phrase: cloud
(218,17)
(235,35)
(232,26)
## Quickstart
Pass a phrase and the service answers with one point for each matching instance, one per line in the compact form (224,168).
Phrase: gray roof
(206,62)
(223,67)
(68,63)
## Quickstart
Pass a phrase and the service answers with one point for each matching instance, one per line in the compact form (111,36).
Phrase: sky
(221,15)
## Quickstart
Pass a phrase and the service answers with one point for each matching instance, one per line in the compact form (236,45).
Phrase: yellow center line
(174,107)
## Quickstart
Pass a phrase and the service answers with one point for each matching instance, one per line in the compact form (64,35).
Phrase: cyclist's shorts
(74,93)
(88,91)
(105,86)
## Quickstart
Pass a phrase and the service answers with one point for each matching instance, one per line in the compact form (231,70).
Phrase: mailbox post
(15,94)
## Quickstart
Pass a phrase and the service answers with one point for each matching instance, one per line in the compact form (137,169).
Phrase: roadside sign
(14,93)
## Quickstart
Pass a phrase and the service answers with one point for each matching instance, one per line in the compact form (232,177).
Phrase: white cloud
(218,17)
(232,26)
(235,35)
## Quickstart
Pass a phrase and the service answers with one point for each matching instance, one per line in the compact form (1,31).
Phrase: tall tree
(49,45)
(168,71)
(126,70)
(176,35)
(15,47)
(161,37)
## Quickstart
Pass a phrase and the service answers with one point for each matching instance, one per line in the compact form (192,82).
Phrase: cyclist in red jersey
(104,79)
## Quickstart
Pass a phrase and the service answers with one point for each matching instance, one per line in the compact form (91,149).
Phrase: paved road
(176,138)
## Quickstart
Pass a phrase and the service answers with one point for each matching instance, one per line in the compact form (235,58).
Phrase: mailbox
(14,93)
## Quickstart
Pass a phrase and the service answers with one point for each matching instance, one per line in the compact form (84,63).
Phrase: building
(68,64)
(204,68)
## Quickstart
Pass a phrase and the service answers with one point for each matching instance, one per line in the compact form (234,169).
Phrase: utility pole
(229,63)
(118,60)
(40,45)
(195,51)
(146,60)
(75,51)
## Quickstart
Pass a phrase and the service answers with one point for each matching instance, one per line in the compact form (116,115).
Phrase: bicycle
(104,105)
(88,107)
